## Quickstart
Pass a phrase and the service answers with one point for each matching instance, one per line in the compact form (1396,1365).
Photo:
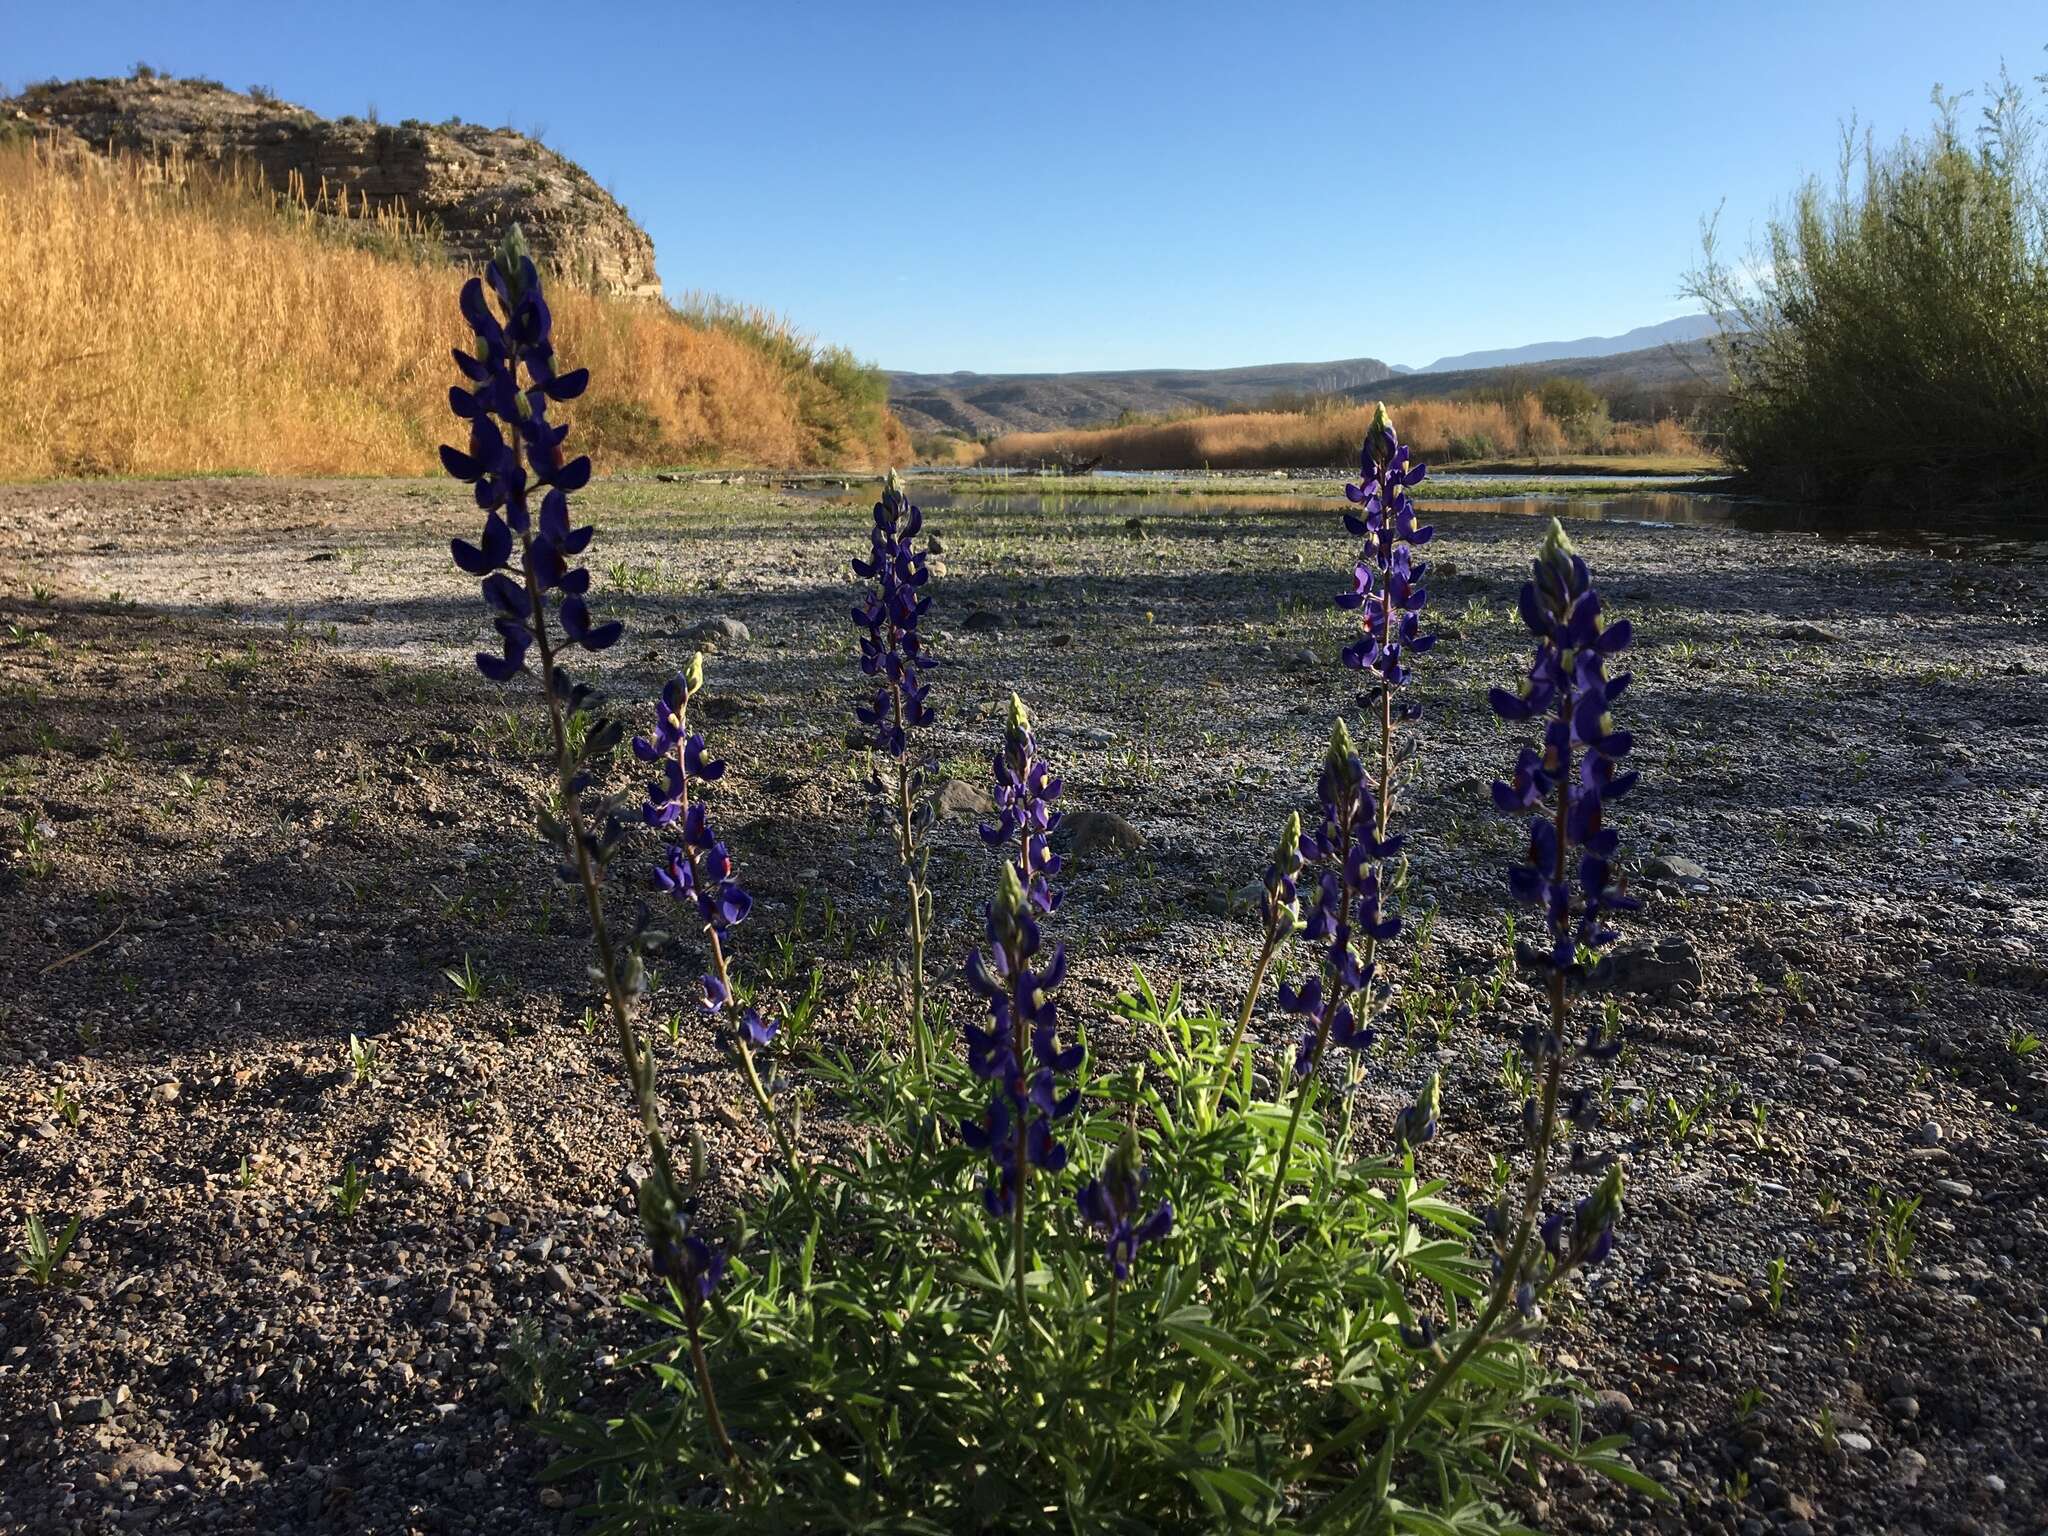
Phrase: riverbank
(257,801)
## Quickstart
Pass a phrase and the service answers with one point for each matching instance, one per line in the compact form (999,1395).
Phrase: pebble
(1911,1464)
(718,631)
(1955,1189)
(1854,1440)
(560,1281)
(1930,1134)
(1094,832)
(961,799)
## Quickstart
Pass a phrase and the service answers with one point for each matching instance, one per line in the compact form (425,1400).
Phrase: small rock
(1614,1399)
(1993,1483)
(935,544)
(981,622)
(1087,833)
(1930,1134)
(1654,966)
(1903,1407)
(1810,634)
(718,631)
(165,1093)
(961,799)
(1679,871)
(1955,1189)
(560,1281)
(1135,527)
(1854,1440)
(1911,1465)
(142,1463)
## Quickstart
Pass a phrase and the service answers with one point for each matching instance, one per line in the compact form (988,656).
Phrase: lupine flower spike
(1341,858)
(1025,789)
(1021,1058)
(524,561)
(892,653)
(1388,593)
(697,868)
(1113,1204)
(1565,789)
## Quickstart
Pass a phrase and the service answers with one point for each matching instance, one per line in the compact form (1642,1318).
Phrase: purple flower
(892,651)
(1019,1054)
(1387,582)
(695,866)
(514,451)
(694,1266)
(1564,786)
(1568,867)
(1025,789)
(1112,1204)
(1340,874)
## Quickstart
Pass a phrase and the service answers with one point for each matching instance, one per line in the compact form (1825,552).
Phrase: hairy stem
(1022,1143)
(639,1065)
(1532,1194)
(693,1311)
(1251,998)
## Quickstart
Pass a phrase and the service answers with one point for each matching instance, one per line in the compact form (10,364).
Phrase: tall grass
(1328,434)
(166,320)
(1890,339)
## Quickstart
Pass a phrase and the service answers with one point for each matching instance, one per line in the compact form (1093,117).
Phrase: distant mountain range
(1684,328)
(981,403)
(1640,368)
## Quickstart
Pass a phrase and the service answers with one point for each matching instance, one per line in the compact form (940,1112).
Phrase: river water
(1643,501)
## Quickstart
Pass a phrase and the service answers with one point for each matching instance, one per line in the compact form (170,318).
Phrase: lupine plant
(893,657)
(907,1335)
(1564,788)
(523,559)
(696,868)
(1020,1055)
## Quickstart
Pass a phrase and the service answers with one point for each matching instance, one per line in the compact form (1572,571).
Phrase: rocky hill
(467,181)
(985,404)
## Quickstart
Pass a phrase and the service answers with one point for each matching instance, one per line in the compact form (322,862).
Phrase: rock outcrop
(466,181)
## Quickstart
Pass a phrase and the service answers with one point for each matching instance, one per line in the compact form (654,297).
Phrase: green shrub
(1895,337)
(867,1343)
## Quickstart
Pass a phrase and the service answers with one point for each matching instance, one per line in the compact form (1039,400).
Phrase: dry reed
(166,321)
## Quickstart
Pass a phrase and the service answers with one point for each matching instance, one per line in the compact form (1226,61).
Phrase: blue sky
(1105,185)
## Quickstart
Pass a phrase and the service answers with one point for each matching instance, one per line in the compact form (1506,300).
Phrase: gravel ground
(256,802)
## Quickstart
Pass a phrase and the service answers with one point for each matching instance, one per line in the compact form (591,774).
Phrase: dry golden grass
(183,323)
(1441,431)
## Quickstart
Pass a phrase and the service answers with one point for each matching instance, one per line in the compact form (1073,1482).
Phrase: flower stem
(693,1311)
(1532,1194)
(639,1066)
(1109,1343)
(1022,1144)
(1251,997)
(1301,1098)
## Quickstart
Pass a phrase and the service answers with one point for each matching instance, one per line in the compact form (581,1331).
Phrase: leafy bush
(870,1343)
(1895,336)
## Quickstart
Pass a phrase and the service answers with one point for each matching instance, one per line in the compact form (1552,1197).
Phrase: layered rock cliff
(468,182)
